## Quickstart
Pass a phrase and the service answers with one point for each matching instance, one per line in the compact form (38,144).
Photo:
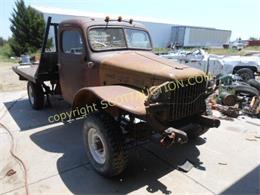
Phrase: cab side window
(51,44)
(72,42)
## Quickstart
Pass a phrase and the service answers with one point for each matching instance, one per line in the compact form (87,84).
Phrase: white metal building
(163,33)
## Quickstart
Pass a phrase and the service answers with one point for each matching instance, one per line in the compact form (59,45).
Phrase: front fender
(125,98)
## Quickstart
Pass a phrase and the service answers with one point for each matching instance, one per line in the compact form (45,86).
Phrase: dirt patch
(9,81)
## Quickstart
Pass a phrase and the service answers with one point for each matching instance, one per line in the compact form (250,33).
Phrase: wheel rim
(96,146)
(245,76)
(30,93)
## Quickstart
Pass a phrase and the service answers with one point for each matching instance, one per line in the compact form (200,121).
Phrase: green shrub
(6,53)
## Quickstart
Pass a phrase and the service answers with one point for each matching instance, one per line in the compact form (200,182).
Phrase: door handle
(90,65)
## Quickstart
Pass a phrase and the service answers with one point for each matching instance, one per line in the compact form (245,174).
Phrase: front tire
(104,144)
(35,95)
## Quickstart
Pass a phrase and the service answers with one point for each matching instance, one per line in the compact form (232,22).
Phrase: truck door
(72,61)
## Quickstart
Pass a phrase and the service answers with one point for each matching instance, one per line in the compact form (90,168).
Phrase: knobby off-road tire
(35,95)
(246,74)
(104,144)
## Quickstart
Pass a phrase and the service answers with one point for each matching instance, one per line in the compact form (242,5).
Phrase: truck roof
(88,22)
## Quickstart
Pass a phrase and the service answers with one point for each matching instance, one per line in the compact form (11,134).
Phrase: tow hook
(173,136)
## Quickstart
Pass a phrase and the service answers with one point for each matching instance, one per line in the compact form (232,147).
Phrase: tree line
(27,27)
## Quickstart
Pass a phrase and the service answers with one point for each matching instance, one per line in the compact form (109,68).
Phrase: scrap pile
(234,96)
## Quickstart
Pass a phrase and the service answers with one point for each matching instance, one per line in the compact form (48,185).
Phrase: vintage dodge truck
(107,71)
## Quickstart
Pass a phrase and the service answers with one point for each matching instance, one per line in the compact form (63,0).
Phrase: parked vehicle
(108,67)
(238,44)
(245,66)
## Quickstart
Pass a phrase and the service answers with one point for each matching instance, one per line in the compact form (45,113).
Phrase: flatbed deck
(26,72)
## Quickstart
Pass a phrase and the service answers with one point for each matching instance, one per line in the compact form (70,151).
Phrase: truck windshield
(118,38)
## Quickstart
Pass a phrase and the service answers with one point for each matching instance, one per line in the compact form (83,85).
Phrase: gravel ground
(9,81)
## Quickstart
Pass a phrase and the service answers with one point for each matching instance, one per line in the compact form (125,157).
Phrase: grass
(5,53)
(234,51)
(161,50)
(253,48)
(221,51)
(9,81)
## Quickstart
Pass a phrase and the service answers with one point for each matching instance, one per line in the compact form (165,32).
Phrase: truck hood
(145,63)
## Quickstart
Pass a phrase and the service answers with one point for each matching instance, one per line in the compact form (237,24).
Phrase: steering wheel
(103,44)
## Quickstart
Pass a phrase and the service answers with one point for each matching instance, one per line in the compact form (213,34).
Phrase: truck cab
(85,43)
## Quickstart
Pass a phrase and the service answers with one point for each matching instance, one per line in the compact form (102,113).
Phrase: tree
(252,38)
(2,41)
(27,28)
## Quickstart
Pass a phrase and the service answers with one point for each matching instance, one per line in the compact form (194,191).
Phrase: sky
(240,16)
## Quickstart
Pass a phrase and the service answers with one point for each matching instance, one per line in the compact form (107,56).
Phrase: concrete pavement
(226,159)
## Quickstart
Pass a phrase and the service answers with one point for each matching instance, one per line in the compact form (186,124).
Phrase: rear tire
(104,144)
(246,74)
(35,95)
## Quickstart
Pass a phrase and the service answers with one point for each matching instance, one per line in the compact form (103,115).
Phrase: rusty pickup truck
(107,71)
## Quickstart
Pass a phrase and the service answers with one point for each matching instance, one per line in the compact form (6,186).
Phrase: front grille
(188,100)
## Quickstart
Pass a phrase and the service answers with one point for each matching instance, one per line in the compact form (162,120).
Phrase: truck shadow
(26,118)
(248,184)
(146,165)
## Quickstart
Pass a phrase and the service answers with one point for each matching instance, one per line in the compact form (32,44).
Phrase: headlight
(154,93)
